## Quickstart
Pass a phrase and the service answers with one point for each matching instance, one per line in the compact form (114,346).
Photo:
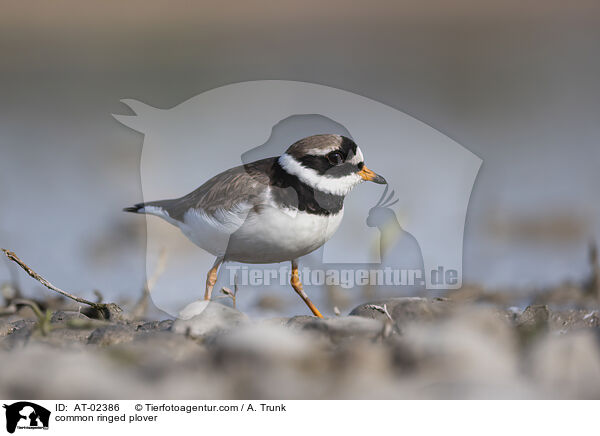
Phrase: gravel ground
(464,346)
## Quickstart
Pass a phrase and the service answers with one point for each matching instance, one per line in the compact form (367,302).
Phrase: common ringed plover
(272,210)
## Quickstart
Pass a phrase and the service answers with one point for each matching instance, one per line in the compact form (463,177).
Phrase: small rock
(299,321)
(66,337)
(66,315)
(163,325)
(340,328)
(404,310)
(202,318)
(19,333)
(6,327)
(532,321)
(534,315)
(106,312)
(111,335)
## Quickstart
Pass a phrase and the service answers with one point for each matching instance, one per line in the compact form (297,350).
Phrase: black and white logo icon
(26,415)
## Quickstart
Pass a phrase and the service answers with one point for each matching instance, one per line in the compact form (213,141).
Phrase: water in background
(520,92)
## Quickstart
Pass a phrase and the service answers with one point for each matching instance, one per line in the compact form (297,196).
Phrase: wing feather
(241,185)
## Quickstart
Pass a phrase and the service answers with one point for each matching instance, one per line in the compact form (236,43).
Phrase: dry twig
(388,325)
(109,310)
(228,293)
(381,309)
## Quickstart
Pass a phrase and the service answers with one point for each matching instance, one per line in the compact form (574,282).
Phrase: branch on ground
(106,310)
(228,293)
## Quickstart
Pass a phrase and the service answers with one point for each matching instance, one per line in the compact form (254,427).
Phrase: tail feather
(158,208)
(138,208)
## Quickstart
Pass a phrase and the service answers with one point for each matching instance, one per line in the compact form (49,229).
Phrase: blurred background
(514,82)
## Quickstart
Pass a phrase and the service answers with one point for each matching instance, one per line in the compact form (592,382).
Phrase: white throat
(331,185)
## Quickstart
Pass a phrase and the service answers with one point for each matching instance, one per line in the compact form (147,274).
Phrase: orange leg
(297,285)
(211,278)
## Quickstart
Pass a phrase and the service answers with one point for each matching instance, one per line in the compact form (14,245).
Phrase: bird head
(329,163)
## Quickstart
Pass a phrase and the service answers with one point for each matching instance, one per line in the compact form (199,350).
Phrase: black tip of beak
(379,180)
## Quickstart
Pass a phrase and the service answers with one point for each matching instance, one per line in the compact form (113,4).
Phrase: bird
(271,210)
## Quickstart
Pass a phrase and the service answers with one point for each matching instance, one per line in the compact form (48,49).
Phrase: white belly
(267,237)
(275,236)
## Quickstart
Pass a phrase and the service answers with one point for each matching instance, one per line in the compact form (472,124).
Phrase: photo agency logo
(25,415)
(278,164)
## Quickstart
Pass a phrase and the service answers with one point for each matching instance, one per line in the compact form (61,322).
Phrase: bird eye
(335,158)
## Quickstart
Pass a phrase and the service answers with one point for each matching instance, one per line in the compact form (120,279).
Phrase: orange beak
(370,176)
